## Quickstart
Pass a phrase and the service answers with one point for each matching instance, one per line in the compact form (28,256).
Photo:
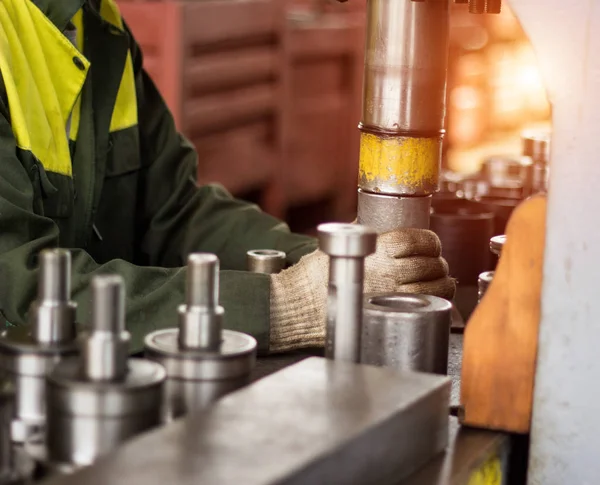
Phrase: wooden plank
(501,338)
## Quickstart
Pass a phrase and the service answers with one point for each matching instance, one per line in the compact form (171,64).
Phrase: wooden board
(501,338)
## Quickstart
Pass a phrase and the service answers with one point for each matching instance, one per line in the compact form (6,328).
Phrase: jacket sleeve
(182,217)
(153,293)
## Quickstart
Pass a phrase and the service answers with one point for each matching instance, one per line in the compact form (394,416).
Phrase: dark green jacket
(120,189)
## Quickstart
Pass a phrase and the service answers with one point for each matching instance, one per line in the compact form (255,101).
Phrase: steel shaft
(347,246)
(403,111)
(201,317)
(266,261)
(106,349)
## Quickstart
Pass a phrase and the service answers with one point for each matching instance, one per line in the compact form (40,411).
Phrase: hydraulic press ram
(404,109)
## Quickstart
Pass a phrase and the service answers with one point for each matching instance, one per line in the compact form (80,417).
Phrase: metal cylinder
(201,317)
(106,348)
(28,354)
(485,280)
(385,212)
(497,244)
(88,419)
(266,261)
(402,123)
(406,332)
(53,314)
(347,246)
(203,362)
(536,145)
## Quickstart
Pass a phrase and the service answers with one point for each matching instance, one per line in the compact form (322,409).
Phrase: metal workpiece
(406,63)
(386,213)
(52,315)
(203,361)
(201,317)
(347,246)
(15,466)
(105,349)
(196,379)
(266,261)
(406,332)
(28,353)
(99,400)
(318,421)
(536,144)
(485,280)
(88,419)
(497,244)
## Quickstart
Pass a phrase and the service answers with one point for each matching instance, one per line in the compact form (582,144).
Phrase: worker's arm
(181,217)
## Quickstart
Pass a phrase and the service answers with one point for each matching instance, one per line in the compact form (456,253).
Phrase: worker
(90,160)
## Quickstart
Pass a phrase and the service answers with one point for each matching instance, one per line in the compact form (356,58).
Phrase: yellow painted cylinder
(399,165)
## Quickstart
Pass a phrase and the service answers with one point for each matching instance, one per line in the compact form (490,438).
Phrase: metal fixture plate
(318,421)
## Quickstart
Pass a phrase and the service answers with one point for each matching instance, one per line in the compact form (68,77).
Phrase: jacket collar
(59,12)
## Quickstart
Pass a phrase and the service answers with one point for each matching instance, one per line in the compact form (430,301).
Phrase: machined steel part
(497,244)
(536,145)
(485,280)
(387,212)
(315,422)
(402,124)
(347,246)
(266,261)
(406,332)
(98,401)
(27,354)
(203,362)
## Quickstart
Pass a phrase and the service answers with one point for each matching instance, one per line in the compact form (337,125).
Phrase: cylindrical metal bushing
(88,419)
(28,354)
(497,244)
(536,145)
(406,332)
(347,246)
(98,401)
(485,280)
(196,379)
(206,362)
(464,230)
(386,212)
(266,261)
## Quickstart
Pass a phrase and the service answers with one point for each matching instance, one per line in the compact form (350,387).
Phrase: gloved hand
(407,260)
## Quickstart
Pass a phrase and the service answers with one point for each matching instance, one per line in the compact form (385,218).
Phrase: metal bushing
(203,361)
(27,354)
(386,213)
(497,244)
(265,261)
(485,280)
(536,144)
(98,401)
(464,229)
(347,246)
(406,332)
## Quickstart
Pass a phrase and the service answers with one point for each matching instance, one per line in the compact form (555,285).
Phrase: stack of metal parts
(28,354)
(485,278)
(203,361)
(102,399)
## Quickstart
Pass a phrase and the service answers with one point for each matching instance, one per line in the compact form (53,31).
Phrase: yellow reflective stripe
(42,82)
(125,112)
(76,115)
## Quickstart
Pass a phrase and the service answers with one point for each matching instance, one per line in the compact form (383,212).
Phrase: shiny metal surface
(202,361)
(106,348)
(496,244)
(536,144)
(347,245)
(316,422)
(406,62)
(27,354)
(53,313)
(485,279)
(385,212)
(200,319)
(198,378)
(87,419)
(266,261)
(406,332)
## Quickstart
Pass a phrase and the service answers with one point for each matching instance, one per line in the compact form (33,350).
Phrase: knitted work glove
(407,260)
